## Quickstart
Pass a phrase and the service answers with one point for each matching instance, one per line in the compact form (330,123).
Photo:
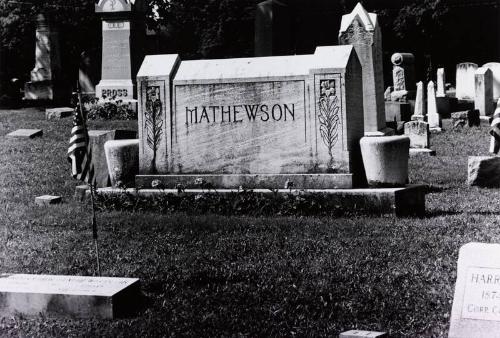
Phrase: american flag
(79,151)
(495,131)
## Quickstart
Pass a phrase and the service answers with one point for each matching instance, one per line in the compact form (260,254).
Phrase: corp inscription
(482,294)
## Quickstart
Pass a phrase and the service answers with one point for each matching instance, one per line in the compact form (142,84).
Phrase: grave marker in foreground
(476,303)
(252,122)
(67,296)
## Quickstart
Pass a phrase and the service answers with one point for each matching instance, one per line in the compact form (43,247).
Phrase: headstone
(420,104)
(361,29)
(120,34)
(403,71)
(47,63)
(484,91)
(476,302)
(419,134)
(466,118)
(484,171)
(252,121)
(273,29)
(363,334)
(495,69)
(465,81)
(26,133)
(47,200)
(67,296)
(122,157)
(85,77)
(441,83)
(58,113)
(433,117)
(97,139)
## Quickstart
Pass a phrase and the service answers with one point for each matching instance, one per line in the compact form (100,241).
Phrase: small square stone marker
(359,333)
(28,133)
(67,296)
(48,199)
(58,113)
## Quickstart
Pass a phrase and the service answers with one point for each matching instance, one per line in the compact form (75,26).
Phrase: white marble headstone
(465,81)
(433,118)
(441,83)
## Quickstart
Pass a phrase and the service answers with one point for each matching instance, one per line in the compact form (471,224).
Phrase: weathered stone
(419,134)
(441,83)
(250,116)
(433,117)
(468,117)
(387,94)
(361,334)
(484,171)
(397,111)
(465,81)
(484,91)
(420,104)
(476,301)
(67,296)
(399,96)
(386,160)
(361,29)
(47,200)
(495,70)
(122,157)
(58,113)
(28,133)
(403,71)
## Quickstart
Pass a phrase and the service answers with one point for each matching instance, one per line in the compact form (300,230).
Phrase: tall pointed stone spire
(361,30)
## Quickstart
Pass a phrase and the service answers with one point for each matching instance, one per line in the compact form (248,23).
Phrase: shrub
(109,109)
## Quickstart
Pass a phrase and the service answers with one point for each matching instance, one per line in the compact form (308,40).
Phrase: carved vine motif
(329,116)
(153,117)
(399,78)
(356,34)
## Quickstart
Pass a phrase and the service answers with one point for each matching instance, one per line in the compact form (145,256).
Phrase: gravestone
(484,171)
(484,91)
(361,29)
(273,27)
(47,200)
(26,133)
(433,118)
(403,71)
(420,103)
(252,122)
(465,81)
(495,70)
(47,70)
(58,113)
(67,296)
(419,134)
(476,302)
(121,35)
(441,83)
(85,77)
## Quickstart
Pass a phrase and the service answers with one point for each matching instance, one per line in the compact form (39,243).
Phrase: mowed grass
(210,275)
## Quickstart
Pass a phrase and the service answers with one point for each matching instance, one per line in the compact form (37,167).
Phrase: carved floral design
(329,117)
(153,117)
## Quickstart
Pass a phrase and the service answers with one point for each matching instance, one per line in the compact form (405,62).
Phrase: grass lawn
(229,276)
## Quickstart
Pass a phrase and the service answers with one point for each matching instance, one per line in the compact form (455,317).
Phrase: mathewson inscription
(271,116)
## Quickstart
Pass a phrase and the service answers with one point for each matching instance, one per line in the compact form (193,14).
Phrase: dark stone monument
(273,29)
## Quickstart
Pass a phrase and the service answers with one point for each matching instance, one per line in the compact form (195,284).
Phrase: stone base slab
(68,296)
(484,171)
(47,200)
(26,133)
(256,181)
(404,201)
(382,132)
(422,151)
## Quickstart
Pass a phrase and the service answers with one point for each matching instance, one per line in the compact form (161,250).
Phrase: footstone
(484,171)
(476,304)
(465,81)
(28,133)
(48,199)
(363,334)
(361,29)
(58,113)
(67,296)
(252,116)
(466,118)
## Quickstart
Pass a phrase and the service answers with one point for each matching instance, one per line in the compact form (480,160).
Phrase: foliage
(109,109)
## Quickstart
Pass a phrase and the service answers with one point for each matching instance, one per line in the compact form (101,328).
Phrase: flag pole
(91,183)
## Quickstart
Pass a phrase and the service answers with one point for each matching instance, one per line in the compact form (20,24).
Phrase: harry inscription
(482,294)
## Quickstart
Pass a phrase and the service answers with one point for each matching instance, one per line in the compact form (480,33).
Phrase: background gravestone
(495,70)
(465,81)
(273,29)
(361,30)
(484,91)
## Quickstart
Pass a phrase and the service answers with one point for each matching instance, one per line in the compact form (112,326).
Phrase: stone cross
(433,117)
(361,29)
(441,83)
(465,81)
(484,91)
(419,113)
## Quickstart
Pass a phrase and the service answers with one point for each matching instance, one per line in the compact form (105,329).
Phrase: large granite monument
(361,29)
(121,47)
(252,122)
(47,70)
